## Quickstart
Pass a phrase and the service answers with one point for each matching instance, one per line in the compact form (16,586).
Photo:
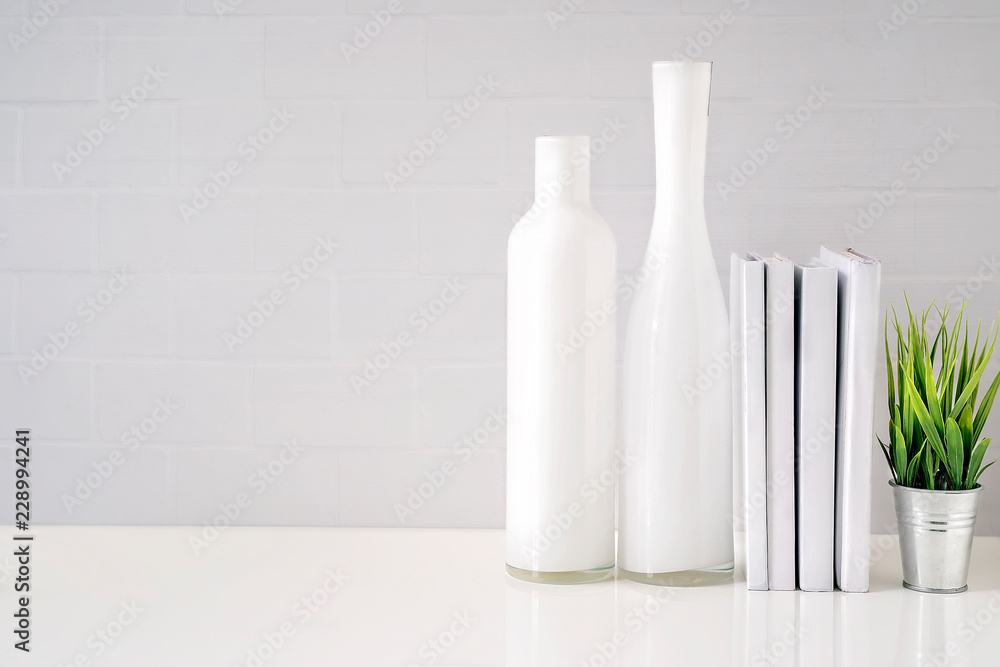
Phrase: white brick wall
(304,58)
(214,400)
(136,322)
(376,231)
(144,232)
(10,126)
(379,135)
(136,152)
(200,60)
(62,62)
(211,205)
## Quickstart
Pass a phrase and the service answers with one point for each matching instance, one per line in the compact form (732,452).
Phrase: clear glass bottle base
(703,577)
(573,577)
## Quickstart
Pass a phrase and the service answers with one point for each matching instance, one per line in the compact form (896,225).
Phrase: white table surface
(420,597)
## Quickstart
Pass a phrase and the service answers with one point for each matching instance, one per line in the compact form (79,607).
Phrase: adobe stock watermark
(611,130)
(258,482)
(35,22)
(635,621)
(966,632)
(913,169)
(988,269)
(223,7)
(105,636)
(121,108)
(589,493)
(786,127)
(248,150)
(366,33)
(723,361)
(973,625)
(776,652)
(712,29)
(967,289)
(302,611)
(562,12)
(103,470)
(900,16)
(264,308)
(87,311)
(824,440)
(597,318)
(695,45)
(433,649)
(454,117)
(882,545)
(462,452)
(420,320)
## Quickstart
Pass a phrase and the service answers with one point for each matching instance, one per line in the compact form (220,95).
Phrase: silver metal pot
(935,537)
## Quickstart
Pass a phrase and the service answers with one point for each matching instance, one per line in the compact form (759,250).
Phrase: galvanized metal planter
(935,537)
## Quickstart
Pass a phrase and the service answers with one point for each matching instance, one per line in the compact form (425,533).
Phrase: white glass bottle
(675,495)
(561,376)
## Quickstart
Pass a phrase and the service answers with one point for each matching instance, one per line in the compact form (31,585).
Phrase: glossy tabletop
(344,596)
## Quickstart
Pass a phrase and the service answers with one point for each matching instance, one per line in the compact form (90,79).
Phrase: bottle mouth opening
(564,137)
(681,63)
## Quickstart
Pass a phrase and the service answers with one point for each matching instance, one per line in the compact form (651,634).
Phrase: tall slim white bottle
(675,497)
(561,376)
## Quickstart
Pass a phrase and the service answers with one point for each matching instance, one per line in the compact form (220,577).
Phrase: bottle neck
(562,170)
(680,123)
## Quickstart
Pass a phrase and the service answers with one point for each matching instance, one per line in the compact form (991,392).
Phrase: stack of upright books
(804,342)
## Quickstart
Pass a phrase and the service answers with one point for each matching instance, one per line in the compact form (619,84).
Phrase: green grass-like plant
(934,425)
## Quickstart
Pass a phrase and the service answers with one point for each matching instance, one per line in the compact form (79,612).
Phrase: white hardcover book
(779,309)
(815,423)
(739,416)
(859,281)
(750,466)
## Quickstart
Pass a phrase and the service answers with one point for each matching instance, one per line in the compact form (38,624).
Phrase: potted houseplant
(934,448)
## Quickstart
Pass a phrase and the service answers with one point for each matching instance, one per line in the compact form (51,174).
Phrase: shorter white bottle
(561,376)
